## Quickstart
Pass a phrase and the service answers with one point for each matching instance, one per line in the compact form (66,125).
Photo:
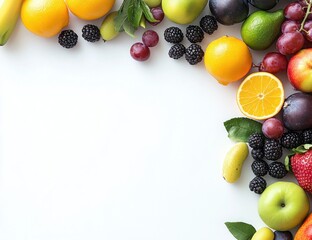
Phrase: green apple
(283,205)
(183,11)
(263,233)
(153,3)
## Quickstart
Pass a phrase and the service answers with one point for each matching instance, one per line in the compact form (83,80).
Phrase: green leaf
(239,129)
(135,13)
(287,162)
(241,230)
(302,148)
(147,12)
(129,29)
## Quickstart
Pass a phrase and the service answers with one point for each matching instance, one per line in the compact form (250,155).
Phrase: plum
(283,235)
(297,111)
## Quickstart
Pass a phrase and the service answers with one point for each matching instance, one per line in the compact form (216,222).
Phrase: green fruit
(261,28)
(233,162)
(183,11)
(264,233)
(153,3)
(107,29)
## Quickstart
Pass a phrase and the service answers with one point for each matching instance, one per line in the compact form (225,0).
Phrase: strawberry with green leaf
(300,164)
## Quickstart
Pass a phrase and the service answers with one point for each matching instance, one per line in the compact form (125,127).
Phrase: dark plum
(297,111)
(263,5)
(283,235)
(229,12)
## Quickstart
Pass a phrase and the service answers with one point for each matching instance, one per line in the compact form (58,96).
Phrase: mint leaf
(241,230)
(239,129)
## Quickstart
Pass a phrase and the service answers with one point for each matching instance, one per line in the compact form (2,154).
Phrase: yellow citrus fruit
(90,9)
(260,96)
(228,59)
(45,18)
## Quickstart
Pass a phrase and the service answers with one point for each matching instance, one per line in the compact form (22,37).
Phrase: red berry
(139,52)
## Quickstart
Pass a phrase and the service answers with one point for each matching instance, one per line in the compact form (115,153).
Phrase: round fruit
(297,111)
(150,38)
(260,96)
(139,52)
(183,11)
(45,18)
(264,233)
(264,5)
(152,3)
(107,29)
(90,9)
(158,14)
(283,235)
(294,11)
(283,205)
(221,64)
(273,62)
(290,42)
(233,162)
(272,128)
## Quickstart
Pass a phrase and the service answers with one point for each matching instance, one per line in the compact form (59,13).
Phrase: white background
(94,145)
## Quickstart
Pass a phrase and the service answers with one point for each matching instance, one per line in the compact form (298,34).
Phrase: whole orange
(228,59)
(90,9)
(45,18)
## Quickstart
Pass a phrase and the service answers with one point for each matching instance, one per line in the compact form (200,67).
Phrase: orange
(227,59)
(260,96)
(45,18)
(90,9)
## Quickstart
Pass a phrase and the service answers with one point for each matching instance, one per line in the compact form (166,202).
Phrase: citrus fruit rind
(260,96)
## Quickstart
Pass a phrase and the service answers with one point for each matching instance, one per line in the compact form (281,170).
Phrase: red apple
(299,70)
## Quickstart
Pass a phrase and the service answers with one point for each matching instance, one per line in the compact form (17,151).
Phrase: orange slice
(260,96)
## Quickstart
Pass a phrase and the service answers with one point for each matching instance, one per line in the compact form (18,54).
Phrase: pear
(261,29)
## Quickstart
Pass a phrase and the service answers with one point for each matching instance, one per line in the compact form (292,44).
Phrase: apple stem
(306,15)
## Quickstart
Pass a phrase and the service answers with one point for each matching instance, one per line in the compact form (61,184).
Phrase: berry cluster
(194,34)
(68,38)
(267,149)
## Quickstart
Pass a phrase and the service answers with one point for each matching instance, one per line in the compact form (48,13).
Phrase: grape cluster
(297,28)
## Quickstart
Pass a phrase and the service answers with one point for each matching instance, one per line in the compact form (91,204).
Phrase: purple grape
(290,43)
(273,62)
(158,14)
(272,128)
(308,35)
(290,26)
(303,3)
(139,52)
(150,38)
(294,11)
(307,25)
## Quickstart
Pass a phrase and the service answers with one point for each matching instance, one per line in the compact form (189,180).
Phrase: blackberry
(91,33)
(256,140)
(209,24)
(307,136)
(173,35)
(257,185)
(194,54)
(176,51)
(272,149)
(259,168)
(291,140)
(277,170)
(257,154)
(68,39)
(194,34)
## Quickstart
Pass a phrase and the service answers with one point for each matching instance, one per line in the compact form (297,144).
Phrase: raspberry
(277,170)
(257,185)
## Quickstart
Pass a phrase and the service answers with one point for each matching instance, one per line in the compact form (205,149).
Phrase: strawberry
(301,166)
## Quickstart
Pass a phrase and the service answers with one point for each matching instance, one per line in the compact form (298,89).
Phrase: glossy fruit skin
(220,63)
(283,235)
(183,11)
(305,230)
(299,70)
(158,14)
(263,233)
(297,111)
(261,28)
(263,5)
(283,205)
(273,62)
(229,12)
(150,38)
(139,52)
(233,162)
(152,3)
(272,128)
(107,29)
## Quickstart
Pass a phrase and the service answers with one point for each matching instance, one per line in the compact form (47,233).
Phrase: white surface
(95,145)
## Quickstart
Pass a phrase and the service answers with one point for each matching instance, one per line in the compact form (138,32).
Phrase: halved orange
(260,96)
